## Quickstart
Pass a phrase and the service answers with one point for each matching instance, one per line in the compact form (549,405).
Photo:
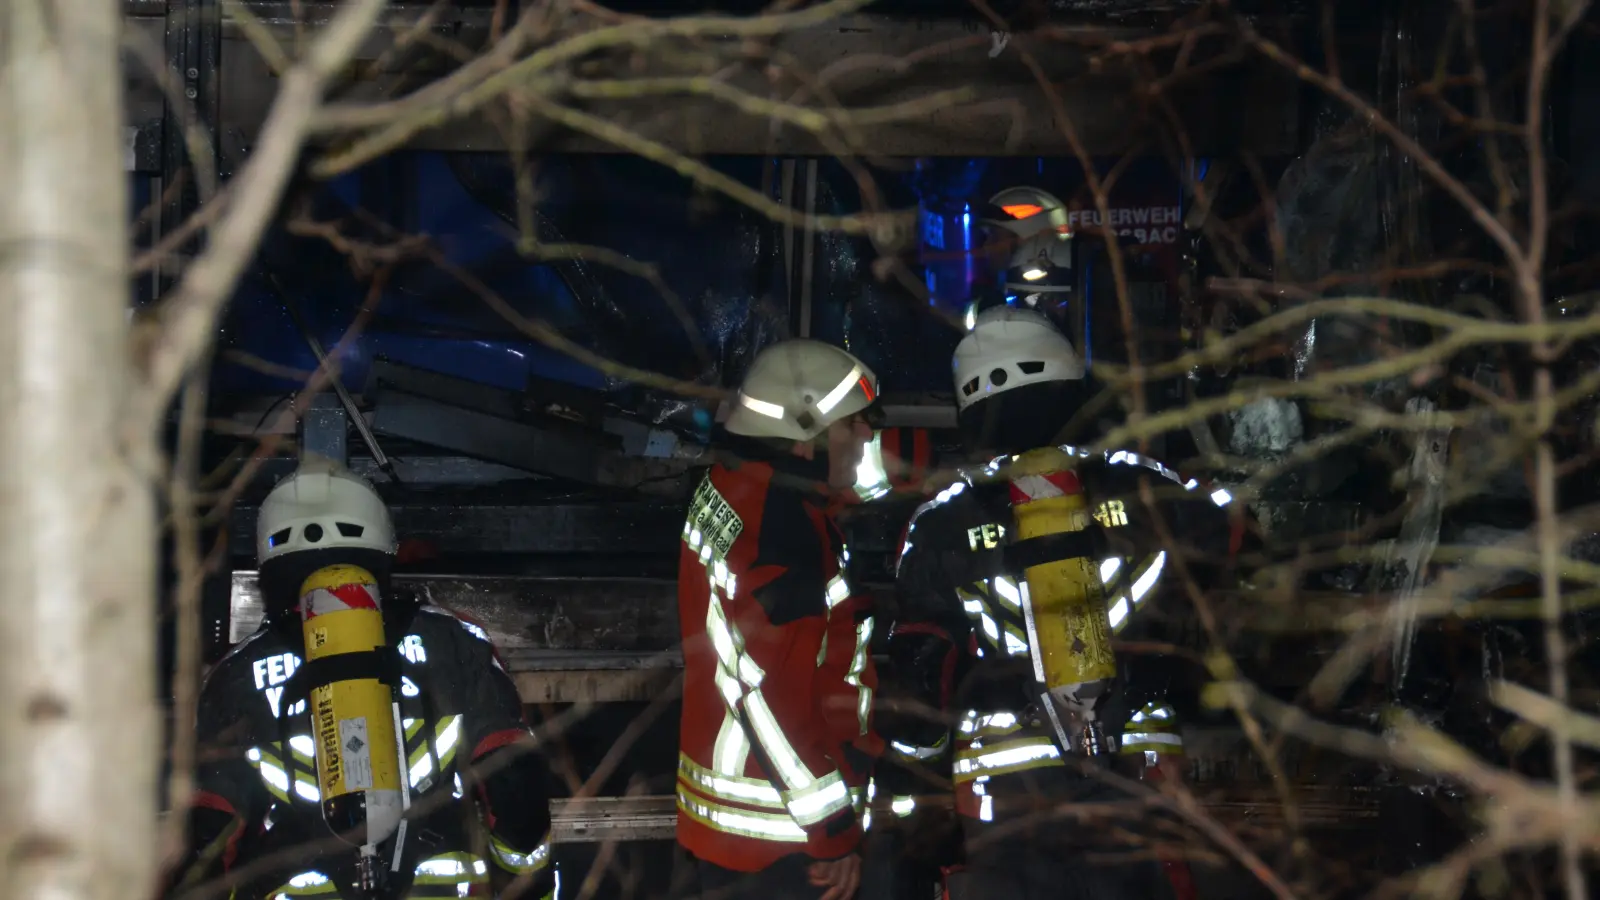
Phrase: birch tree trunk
(79,746)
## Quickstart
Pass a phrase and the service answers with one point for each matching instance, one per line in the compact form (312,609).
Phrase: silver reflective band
(820,801)
(1123,605)
(858,667)
(750,824)
(520,863)
(912,752)
(1152,711)
(839,391)
(1007,590)
(738,788)
(1108,568)
(872,477)
(1008,757)
(838,591)
(770,410)
(1152,737)
(1001,721)
(903,806)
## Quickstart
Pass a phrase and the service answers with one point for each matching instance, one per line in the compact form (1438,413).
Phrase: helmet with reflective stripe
(322,506)
(796,388)
(1009,348)
(1036,228)
(1153,728)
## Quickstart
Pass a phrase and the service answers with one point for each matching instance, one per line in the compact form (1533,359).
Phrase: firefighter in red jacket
(776,741)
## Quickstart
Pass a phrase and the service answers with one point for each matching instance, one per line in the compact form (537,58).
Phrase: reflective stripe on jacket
(778,680)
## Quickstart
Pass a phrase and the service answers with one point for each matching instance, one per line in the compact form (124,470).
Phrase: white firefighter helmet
(322,506)
(796,388)
(1007,348)
(1036,226)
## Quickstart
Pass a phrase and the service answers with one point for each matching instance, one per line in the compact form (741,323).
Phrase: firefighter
(1152,743)
(776,739)
(468,780)
(1016,666)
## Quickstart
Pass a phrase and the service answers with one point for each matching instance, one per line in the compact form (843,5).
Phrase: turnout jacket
(458,705)
(961,642)
(776,739)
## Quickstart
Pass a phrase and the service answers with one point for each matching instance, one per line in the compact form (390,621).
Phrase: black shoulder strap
(382,664)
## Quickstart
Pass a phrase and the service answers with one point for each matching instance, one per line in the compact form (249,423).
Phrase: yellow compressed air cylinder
(358,760)
(1066,600)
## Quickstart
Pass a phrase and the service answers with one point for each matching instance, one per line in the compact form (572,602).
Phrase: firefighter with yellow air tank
(1011,583)
(370,743)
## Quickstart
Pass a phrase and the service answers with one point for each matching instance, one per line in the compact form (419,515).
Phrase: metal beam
(193,42)
(865,61)
(633,528)
(595,685)
(538,623)
(654,817)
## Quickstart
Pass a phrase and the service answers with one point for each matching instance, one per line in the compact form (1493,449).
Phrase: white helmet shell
(322,506)
(796,388)
(1009,348)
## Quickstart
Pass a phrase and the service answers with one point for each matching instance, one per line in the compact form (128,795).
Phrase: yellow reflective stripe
(721,634)
(452,868)
(903,805)
(1121,607)
(1005,757)
(446,738)
(915,753)
(791,770)
(520,863)
(742,822)
(306,884)
(1160,714)
(838,591)
(303,750)
(272,771)
(858,666)
(1159,741)
(1016,643)
(1006,590)
(735,788)
(990,725)
(819,800)
(732,749)
(872,478)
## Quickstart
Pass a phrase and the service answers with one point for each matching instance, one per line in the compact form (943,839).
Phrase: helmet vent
(279,537)
(313,533)
(1033,367)
(350,529)
(970,387)
(998,377)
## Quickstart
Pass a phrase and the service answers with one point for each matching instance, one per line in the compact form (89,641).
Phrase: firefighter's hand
(840,876)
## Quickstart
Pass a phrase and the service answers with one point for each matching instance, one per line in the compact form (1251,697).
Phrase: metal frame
(193,43)
(1010,114)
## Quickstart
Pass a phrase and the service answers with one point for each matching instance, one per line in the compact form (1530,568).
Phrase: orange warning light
(1022,210)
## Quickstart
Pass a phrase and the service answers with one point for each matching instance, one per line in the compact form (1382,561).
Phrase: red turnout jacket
(776,738)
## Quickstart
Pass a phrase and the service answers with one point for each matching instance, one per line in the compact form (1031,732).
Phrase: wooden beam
(653,817)
(862,60)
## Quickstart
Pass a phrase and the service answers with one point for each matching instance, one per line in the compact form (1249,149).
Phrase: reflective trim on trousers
(1004,757)
(520,863)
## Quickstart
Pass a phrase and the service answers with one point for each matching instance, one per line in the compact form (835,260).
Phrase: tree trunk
(79,746)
